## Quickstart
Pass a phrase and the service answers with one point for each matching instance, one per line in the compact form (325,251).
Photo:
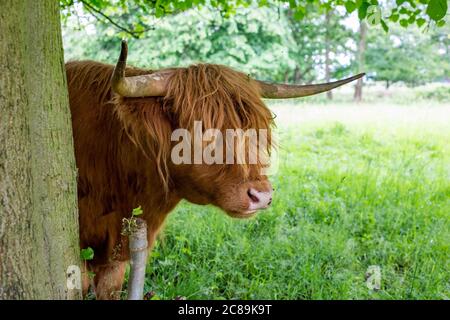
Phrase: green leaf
(420,22)
(384,25)
(437,9)
(440,23)
(262,3)
(394,17)
(411,2)
(350,6)
(87,254)
(137,211)
(159,12)
(362,10)
(404,23)
(299,15)
(292,4)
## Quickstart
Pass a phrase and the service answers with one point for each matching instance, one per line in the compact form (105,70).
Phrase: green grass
(347,197)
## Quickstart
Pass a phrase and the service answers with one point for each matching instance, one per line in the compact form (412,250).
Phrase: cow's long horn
(284,91)
(147,85)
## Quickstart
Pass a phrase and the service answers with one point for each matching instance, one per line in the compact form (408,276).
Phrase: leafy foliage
(409,56)
(403,12)
(87,253)
(268,43)
(437,9)
(137,211)
(253,40)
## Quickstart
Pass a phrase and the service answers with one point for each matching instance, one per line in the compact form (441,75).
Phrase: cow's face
(226,104)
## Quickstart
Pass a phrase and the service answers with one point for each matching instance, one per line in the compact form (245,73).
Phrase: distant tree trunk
(388,84)
(327,52)
(360,59)
(297,75)
(38,204)
(286,76)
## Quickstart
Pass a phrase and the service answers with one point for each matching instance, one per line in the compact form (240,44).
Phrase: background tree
(403,12)
(38,208)
(252,41)
(327,51)
(267,43)
(360,58)
(409,56)
(316,36)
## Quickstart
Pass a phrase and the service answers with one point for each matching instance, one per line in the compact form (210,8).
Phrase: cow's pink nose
(259,199)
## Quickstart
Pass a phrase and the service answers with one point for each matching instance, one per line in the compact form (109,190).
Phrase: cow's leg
(109,279)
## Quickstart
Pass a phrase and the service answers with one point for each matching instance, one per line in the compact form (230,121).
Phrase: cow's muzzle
(259,199)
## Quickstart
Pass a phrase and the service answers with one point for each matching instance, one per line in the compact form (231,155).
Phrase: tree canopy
(406,56)
(266,42)
(422,13)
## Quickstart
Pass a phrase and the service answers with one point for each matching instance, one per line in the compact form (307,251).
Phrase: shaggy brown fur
(123,146)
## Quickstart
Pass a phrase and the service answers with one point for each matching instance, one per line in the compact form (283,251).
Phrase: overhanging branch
(95,12)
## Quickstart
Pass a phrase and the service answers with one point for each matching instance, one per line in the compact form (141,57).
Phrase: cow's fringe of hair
(221,98)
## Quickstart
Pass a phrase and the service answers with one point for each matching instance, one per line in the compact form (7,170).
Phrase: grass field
(357,186)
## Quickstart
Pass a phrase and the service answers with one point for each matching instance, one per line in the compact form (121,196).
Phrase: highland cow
(122,121)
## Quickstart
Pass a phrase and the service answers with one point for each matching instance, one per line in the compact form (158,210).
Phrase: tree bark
(38,204)
(286,76)
(327,53)
(360,59)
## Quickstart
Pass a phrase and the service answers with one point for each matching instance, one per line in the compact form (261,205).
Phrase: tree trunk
(360,59)
(297,75)
(286,76)
(38,204)
(327,53)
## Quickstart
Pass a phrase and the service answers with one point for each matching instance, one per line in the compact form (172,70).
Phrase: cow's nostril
(259,199)
(251,194)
